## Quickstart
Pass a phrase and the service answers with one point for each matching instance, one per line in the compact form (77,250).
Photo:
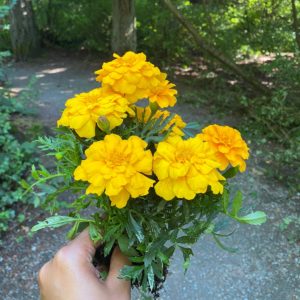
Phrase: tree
(123,26)
(24,34)
(213,52)
(295,23)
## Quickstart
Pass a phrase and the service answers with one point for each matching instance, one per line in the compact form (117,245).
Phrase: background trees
(25,38)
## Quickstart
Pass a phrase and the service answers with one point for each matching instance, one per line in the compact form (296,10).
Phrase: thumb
(117,262)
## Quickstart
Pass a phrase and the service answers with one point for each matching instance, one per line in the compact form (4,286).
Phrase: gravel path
(267,265)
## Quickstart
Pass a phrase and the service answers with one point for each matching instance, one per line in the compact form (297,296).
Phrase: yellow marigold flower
(143,115)
(116,167)
(135,78)
(185,168)
(229,145)
(83,111)
(163,94)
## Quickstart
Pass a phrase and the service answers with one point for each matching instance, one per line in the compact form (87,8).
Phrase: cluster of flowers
(177,167)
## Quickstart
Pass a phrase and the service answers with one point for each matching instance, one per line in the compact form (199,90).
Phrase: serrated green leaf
(53,222)
(255,218)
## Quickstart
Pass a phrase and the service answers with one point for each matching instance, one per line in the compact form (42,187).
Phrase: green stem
(41,181)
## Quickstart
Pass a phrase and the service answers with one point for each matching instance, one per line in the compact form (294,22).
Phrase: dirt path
(267,265)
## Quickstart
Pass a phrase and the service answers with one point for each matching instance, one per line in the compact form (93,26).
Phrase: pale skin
(70,275)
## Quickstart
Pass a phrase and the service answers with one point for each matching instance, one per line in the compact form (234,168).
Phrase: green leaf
(193,125)
(123,242)
(231,172)
(186,252)
(186,240)
(136,259)
(158,269)
(225,200)
(138,230)
(24,184)
(222,246)
(108,246)
(53,222)
(131,272)
(237,203)
(150,277)
(161,205)
(186,210)
(255,218)
(94,233)
(34,173)
(72,232)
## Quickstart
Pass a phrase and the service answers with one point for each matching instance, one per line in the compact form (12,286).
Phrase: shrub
(15,159)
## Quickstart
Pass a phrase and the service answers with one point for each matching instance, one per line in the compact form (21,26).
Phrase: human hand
(70,275)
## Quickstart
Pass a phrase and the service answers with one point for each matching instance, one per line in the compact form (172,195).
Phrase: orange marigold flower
(185,168)
(117,167)
(163,94)
(143,115)
(228,144)
(83,111)
(135,78)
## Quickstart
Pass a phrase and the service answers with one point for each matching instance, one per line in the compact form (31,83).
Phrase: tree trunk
(24,34)
(123,26)
(296,23)
(214,52)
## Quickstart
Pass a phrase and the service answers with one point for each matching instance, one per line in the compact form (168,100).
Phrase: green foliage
(75,24)
(15,160)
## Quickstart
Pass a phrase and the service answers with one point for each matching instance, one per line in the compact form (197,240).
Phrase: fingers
(117,262)
(82,247)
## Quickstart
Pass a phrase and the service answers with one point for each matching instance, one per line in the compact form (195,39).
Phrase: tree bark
(204,45)
(24,34)
(295,23)
(123,26)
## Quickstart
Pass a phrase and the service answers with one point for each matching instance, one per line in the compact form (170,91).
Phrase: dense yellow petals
(229,145)
(117,167)
(132,76)
(84,110)
(185,168)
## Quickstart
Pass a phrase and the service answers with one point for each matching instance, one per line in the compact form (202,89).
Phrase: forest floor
(267,265)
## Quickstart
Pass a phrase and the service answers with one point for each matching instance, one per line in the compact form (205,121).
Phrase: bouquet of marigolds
(140,177)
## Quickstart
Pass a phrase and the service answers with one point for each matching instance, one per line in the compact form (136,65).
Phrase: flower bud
(103,124)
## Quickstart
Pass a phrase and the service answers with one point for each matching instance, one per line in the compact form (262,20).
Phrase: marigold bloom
(228,144)
(135,78)
(163,94)
(82,111)
(185,168)
(116,167)
(143,115)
